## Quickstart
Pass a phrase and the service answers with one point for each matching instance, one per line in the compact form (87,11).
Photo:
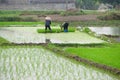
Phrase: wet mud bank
(101,66)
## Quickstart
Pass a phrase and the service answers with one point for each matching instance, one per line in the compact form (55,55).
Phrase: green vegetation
(55,30)
(94,4)
(4,13)
(8,18)
(108,55)
(2,24)
(2,40)
(87,4)
(15,18)
(37,63)
(112,23)
(23,24)
(110,16)
(8,13)
(72,13)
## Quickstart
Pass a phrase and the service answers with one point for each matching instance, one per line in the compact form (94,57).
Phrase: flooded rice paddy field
(30,35)
(113,31)
(108,31)
(21,35)
(36,63)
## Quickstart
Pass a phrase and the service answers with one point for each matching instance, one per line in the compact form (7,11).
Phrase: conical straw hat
(48,18)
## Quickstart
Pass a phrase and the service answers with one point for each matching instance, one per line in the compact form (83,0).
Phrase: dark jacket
(65,25)
(47,22)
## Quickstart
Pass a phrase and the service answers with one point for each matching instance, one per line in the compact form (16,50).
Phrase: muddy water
(30,35)
(110,31)
(114,31)
(22,35)
(36,63)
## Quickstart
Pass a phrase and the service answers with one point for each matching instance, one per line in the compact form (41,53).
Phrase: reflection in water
(114,31)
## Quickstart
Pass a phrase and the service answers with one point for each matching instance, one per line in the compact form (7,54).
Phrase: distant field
(111,23)
(2,24)
(34,18)
(17,13)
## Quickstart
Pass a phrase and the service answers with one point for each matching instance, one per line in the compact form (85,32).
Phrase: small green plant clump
(54,30)
(48,31)
(2,40)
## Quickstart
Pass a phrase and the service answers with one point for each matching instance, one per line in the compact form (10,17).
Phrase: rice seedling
(55,30)
(36,63)
(107,55)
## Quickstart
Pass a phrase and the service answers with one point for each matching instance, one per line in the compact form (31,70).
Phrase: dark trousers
(47,26)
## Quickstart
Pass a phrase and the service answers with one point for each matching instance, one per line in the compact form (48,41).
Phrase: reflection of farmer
(65,26)
(47,23)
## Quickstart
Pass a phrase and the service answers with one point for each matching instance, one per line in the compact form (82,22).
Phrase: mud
(101,66)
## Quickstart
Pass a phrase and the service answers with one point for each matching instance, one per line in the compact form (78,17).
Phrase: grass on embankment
(24,24)
(7,24)
(2,40)
(98,23)
(109,55)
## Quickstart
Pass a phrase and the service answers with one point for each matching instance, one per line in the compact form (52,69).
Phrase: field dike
(74,57)
(85,61)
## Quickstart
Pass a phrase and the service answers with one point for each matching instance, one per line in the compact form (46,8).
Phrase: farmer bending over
(65,26)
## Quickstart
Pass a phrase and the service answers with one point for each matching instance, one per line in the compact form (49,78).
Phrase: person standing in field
(47,23)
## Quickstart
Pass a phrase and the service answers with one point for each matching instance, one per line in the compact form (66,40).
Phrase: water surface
(108,31)
(36,63)
(30,35)
(114,31)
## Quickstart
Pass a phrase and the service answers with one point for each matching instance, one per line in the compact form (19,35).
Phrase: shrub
(86,29)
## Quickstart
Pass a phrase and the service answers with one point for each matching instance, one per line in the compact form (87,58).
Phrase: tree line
(93,4)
